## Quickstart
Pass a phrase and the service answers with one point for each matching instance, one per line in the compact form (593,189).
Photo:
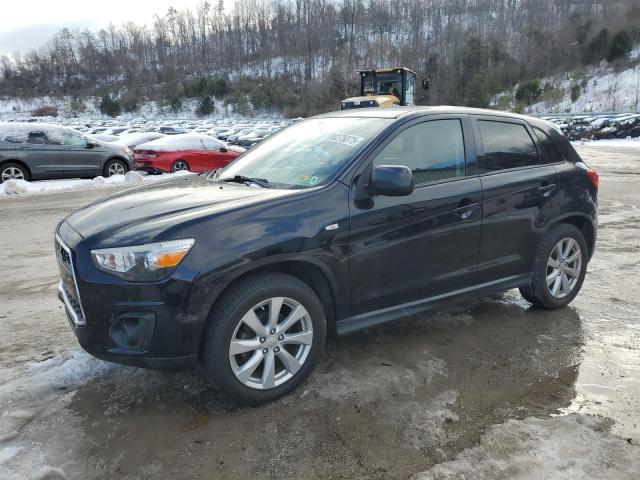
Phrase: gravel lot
(491,389)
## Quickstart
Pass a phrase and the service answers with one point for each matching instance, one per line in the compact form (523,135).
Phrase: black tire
(180,165)
(538,293)
(225,317)
(120,165)
(12,166)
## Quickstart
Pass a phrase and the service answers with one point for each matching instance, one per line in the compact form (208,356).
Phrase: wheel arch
(119,158)
(583,223)
(309,272)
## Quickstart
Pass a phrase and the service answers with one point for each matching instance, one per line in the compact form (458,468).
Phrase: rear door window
(41,137)
(506,145)
(433,150)
(553,153)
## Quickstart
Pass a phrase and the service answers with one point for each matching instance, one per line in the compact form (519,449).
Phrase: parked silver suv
(35,151)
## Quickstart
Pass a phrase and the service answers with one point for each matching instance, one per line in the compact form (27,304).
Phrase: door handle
(25,148)
(466,208)
(546,190)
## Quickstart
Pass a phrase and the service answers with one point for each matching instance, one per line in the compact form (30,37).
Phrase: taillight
(593,176)
(144,154)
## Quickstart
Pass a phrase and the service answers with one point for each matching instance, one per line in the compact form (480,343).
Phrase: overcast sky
(27,24)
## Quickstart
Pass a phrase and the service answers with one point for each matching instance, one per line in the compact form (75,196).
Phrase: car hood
(140,213)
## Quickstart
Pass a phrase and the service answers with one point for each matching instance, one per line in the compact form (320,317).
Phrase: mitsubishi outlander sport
(337,223)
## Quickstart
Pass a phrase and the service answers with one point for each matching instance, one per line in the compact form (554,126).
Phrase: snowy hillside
(597,89)
(67,107)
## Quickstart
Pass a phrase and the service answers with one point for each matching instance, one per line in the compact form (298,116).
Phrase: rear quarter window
(551,150)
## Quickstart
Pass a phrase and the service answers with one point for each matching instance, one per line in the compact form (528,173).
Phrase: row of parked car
(598,127)
(244,133)
(35,150)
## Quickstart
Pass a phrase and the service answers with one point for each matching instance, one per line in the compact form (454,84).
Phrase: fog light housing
(133,331)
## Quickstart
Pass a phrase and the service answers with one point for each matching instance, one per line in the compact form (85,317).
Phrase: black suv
(337,223)
(35,151)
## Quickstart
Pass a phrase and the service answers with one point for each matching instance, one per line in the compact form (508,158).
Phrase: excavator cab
(384,87)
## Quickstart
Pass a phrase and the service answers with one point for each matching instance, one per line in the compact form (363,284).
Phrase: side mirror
(91,144)
(426,83)
(391,181)
(223,149)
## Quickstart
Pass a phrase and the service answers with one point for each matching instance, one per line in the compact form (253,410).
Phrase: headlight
(141,263)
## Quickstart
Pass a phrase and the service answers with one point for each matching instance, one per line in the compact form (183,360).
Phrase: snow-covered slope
(17,107)
(602,88)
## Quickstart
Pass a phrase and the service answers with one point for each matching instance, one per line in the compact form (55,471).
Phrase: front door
(404,249)
(79,159)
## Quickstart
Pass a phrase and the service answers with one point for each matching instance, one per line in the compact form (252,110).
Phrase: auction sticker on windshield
(345,139)
(309,180)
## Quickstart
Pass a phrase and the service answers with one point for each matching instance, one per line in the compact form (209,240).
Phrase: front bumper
(151,325)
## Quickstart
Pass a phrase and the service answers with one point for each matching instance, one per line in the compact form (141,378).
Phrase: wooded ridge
(299,56)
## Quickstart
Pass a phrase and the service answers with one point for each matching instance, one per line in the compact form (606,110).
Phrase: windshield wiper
(263,182)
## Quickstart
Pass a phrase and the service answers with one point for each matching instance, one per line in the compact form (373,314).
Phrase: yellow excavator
(385,87)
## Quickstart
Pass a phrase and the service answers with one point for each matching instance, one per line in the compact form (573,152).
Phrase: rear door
(43,153)
(409,248)
(79,159)
(519,196)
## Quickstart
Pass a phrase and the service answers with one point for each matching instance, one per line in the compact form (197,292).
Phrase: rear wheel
(114,167)
(559,268)
(263,338)
(13,171)
(179,165)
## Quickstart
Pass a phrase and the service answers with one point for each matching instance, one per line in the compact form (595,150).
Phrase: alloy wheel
(271,343)
(180,166)
(563,267)
(12,173)
(116,168)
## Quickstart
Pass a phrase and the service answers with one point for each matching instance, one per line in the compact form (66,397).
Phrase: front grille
(63,256)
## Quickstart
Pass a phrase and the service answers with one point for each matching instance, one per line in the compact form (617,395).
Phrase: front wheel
(114,167)
(559,268)
(13,171)
(263,338)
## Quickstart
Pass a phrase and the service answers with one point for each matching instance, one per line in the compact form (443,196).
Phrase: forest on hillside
(299,56)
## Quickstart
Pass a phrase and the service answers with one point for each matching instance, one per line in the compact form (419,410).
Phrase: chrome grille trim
(76,311)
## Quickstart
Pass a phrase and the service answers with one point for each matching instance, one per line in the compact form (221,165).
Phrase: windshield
(307,154)
(386,84)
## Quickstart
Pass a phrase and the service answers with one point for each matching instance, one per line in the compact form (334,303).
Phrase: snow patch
(7,453)
(183,141)
(609,143)
(563,448)
(32,408)
(131,178)
(14,187)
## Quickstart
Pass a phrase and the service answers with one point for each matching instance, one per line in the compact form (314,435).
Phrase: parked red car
(188,151)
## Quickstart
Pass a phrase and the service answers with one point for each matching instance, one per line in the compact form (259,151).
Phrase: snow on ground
(35,395)
(608,143)
(132,178)
(573,447)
